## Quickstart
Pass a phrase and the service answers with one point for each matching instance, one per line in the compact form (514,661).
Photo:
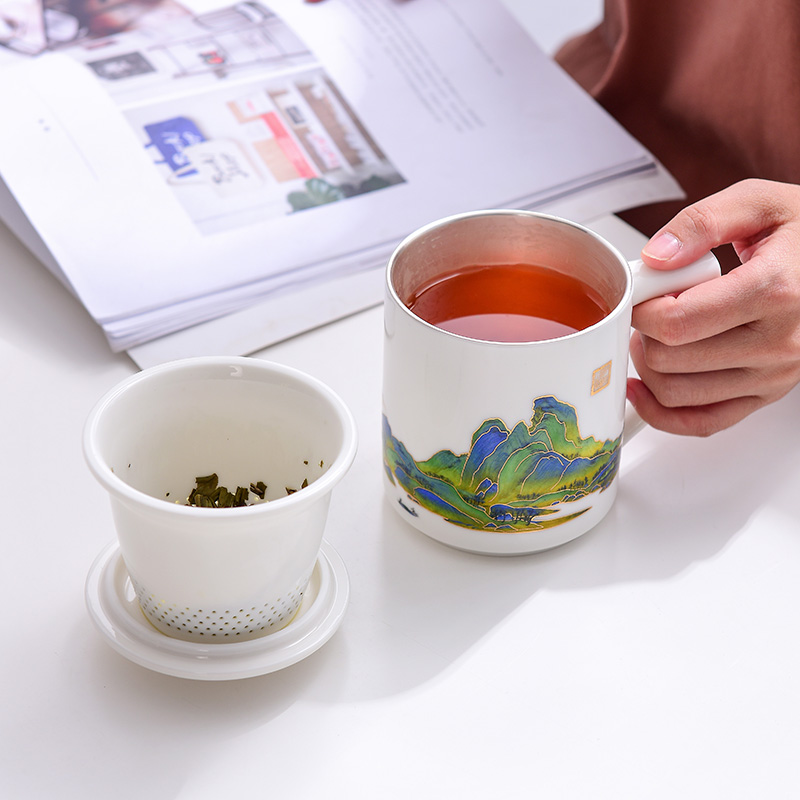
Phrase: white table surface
(655,657)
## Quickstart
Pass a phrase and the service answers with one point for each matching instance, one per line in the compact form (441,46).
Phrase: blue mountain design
(509,480)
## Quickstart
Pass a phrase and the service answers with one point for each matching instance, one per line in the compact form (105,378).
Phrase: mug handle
(633,423)
(649,283)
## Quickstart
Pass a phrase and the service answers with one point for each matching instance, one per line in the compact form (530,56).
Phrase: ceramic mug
(509,447)
(220,574)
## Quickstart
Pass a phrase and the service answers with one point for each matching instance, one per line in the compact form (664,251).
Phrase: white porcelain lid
(115,611)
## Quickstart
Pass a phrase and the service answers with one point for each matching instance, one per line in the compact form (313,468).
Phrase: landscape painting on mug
(510,481)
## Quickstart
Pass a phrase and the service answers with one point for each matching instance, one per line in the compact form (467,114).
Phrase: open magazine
(255,164)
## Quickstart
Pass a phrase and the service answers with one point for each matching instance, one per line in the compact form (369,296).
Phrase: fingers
(741,347)
(682,335)
(703,420)
(764,288)
(741,214)
(718,351)
(701,402)
(702,311)
(699,386)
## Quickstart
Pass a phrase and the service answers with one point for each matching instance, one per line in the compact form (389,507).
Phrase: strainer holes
(200,624)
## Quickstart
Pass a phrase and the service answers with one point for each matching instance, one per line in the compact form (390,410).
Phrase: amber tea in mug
(508,303)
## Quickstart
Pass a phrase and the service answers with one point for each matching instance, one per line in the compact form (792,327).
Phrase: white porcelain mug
(220,575)
(508,448)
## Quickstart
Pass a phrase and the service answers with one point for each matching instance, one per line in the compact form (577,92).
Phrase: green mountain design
(510,480)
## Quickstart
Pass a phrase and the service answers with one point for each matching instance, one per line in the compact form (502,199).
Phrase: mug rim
(609,318)
(319,487)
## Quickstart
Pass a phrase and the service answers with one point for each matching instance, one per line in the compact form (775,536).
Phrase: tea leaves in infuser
(302,486)
(259,489)
(207,493)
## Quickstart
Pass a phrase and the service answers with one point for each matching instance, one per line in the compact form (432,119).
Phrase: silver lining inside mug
(489,238)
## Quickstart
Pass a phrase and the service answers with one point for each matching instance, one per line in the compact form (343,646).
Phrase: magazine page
(190,161)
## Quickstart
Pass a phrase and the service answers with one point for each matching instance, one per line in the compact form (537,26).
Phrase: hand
(721,350)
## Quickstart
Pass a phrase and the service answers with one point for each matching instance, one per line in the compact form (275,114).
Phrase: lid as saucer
(115,611)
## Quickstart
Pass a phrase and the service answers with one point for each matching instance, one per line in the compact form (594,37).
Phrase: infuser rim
(321,486)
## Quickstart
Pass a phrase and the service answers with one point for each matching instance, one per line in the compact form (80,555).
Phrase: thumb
(736,214)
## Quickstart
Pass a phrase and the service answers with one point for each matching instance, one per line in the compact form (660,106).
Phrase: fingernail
(662,246)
